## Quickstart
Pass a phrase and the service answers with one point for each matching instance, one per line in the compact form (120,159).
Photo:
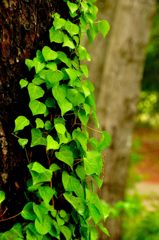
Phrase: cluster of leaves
(65,205)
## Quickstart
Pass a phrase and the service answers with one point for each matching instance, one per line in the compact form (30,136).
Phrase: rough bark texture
(119,90)
(23,29)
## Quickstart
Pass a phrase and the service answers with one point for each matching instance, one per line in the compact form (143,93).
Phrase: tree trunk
(118,93)
(117,63)
(23,29)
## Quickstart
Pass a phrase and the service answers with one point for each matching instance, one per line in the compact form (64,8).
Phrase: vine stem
(7,219)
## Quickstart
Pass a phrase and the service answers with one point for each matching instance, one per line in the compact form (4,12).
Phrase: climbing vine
(62,203)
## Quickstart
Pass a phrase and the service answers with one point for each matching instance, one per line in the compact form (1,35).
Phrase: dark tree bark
(24,28)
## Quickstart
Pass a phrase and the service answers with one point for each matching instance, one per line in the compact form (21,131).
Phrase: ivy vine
(65,205)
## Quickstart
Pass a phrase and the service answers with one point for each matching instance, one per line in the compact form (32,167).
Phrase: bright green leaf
(20,123)
(72,6)
(93,163)
(103,27)
(56,35)
(66,232)
(39,123)
(60,125)
(52,66)
(71,28)
(35,92)
(37,107)
(22,142)
(23,83)
(51,143)
(29,63)
(46,193)
(38,65)
(49,54)
(68,42)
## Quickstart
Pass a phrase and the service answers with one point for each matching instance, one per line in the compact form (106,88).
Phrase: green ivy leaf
(23,83)
(37,80)
(60,125)
(37,138)
(103,27)
(20,123)
(66,232)
(68,42)
(72,6)
(59,93)
(29,63)
(35,92)
(39,173)
(52,66)
(83,54)
(93,163)
(58,22)
(65,155)
(39,123)
(105,141)
(51,143)
(77,203)
(56,35)
(81,172)
(49,54)
(46,193)
(22,142)
(75,97)
(63,58)
(38,65)
(43,227)
(80,137)
(27,212)
(71,28)
(72,184)
(37,107)
(54,76)
(84,69)
(48,125)
(14,233)
(104,230)
(54,167)
(2,196)
(50,102)
(83,117)
(73,74)
(32,234)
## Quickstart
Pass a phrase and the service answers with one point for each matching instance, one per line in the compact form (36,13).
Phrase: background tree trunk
(118,78)
(23,29)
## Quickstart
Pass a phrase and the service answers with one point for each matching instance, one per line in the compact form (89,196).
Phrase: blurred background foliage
(148,107)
